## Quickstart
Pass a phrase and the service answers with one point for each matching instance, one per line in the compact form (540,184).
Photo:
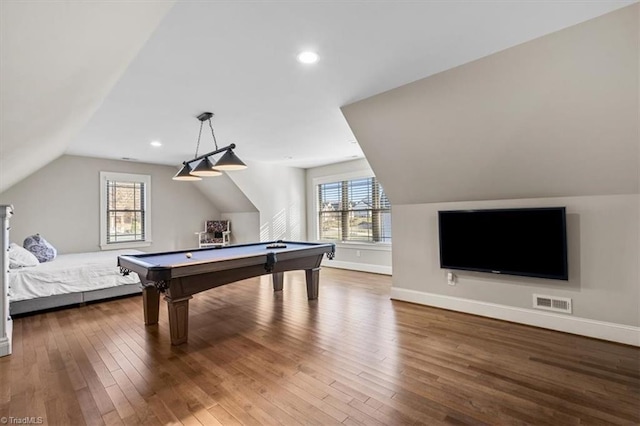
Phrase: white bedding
(69,273)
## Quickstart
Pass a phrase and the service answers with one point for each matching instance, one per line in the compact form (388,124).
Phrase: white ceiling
(237,60)
(58,61)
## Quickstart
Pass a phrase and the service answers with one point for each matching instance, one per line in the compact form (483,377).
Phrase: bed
(70,279)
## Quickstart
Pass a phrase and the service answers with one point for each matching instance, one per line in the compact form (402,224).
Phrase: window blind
(125,211)
(354,210)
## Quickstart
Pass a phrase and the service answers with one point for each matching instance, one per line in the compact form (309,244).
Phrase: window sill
(118,246)
(361,246)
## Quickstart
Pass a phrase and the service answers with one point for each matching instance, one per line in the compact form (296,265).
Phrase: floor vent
(552,303)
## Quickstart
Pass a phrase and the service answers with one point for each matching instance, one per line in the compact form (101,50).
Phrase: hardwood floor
(352,357)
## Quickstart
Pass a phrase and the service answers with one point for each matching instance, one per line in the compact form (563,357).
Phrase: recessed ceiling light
(156,143)
(308,57)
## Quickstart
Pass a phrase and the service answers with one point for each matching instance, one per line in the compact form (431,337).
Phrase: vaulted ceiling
(105,78)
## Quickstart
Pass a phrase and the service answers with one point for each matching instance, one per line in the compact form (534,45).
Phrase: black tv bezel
(563,210)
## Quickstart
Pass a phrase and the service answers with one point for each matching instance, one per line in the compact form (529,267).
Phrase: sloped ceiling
(237,59)
(58,61)
(70,83)
(557,116)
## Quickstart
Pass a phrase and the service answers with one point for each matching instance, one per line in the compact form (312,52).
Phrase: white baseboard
(5,342)
(5,346)
(620,333)
(354,266)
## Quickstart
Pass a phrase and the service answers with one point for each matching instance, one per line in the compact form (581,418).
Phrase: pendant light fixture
(201,166)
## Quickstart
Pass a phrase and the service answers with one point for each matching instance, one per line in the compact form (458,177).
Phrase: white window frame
(124,177)
(316,223)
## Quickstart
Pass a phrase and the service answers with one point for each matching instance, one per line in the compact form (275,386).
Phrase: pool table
(181,274)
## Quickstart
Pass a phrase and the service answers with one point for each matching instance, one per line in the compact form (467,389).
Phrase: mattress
(69,273)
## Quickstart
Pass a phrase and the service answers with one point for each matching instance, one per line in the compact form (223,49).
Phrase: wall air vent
(552,303)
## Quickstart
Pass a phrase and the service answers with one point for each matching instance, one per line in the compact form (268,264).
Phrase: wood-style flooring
(256,357)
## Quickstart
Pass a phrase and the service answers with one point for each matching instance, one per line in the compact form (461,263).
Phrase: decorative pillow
(37,245)
(21,258)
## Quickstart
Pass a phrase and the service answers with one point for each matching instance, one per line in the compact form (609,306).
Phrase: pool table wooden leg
(313,282)
(278,278)
(151,305)
(178,319)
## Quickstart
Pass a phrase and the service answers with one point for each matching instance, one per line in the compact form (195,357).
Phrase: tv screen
(528,242)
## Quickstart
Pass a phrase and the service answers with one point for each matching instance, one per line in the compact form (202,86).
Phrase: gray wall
(355,256)
(554,121)
(556,116)
(602,238)
(62,202)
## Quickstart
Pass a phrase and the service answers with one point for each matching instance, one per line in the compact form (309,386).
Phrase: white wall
(62,202)
(245,227)
(278,193)
(356,256)
(223,193)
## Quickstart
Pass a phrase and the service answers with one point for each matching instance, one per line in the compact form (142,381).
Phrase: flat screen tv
(528,242)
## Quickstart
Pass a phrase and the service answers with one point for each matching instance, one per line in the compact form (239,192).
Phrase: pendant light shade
(205,169)
(185,174)
(230,161)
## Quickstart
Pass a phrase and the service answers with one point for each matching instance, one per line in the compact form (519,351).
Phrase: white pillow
(20,257)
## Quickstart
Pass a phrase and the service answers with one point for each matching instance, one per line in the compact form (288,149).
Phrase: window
(354,210)
(124,210)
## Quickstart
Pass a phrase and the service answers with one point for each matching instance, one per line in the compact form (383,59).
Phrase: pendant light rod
(217,151)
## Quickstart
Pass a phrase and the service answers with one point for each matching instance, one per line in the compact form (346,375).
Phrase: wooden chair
(216,233)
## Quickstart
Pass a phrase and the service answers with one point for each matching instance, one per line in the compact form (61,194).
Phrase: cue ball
(188,255)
